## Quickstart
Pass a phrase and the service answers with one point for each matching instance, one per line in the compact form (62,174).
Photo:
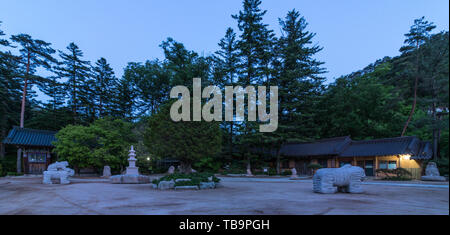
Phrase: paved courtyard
(237,196)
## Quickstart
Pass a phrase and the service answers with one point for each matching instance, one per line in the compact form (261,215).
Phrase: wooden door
(302,167)
(36,168)
(368,168)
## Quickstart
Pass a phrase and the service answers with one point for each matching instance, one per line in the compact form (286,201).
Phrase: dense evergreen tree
(254,43)
(152,81)
(104,84)
(10,89)
(255,53)
(226,63)
(434,85)
(183,65)
(299,82)
(77,73)
(361,107)
(123,103)
(186,141)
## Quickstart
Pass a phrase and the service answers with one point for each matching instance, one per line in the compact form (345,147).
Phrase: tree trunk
(22,113)
(2,146)
(19,160)
(412,108)
(2,150)
(231,140)
(435,122)
(249,166)
(416,83)
(278,162)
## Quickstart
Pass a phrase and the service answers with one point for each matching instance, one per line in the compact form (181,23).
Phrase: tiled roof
(332,146)
(425,151)
(345,147)
(382,147)
(30,137)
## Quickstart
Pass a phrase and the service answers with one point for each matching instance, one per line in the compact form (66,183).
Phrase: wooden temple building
(36,148)
(406,152)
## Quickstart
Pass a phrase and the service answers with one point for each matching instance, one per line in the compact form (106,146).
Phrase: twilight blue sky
(353,33)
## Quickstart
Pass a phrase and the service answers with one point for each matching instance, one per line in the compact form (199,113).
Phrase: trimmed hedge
(196,178)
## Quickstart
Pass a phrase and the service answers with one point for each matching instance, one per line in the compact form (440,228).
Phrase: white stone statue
(58,170)
(345,179)
(294,173)
(249,172)
(432,173)
(171,170)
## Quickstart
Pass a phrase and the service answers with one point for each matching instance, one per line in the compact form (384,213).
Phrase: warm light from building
(148,159)
(406,157)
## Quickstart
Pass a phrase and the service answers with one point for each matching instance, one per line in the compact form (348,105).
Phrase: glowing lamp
(406,157)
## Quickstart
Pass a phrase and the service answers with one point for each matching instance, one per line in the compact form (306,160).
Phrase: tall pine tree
(416,37)
(104,83)
(255,53)
(34,53)
(77,73)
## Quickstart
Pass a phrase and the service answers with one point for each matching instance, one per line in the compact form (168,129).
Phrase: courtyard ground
(248,196)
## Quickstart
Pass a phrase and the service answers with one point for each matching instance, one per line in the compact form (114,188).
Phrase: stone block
(433,178)
(164,185)
(207,185)
(106,172)
(182,180)
(186,188)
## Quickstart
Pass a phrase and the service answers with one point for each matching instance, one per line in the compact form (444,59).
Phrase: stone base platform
(433,178)
(129,179)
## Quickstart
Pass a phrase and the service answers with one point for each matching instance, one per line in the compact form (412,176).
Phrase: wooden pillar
(376,166)
(48,159)
(25,161)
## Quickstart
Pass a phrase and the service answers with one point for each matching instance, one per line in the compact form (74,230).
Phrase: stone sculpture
(58,170)
(294,174)
(345,179)
(131,175)
(171,170)
(106,172)
(432,173)
(249,172)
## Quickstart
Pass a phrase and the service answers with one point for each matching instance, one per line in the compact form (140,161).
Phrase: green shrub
(314,166)
(399,174)
(14,174)
(272,171)
(8,163)
(442,164)
(286,172)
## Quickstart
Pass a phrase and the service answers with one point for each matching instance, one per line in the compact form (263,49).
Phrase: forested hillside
(394,96)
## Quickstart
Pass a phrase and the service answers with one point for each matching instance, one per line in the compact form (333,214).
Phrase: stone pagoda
(131,175)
